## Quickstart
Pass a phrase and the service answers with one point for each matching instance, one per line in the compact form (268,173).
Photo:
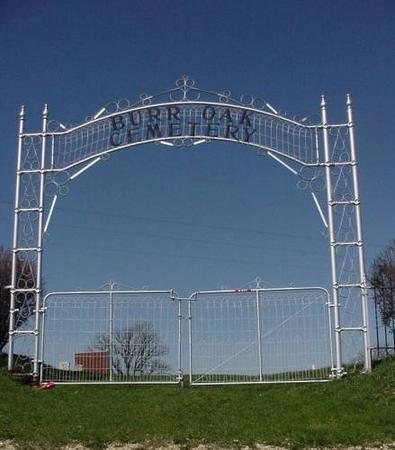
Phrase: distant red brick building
(94,361)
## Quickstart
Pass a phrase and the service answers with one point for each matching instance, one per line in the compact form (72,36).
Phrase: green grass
(358,410)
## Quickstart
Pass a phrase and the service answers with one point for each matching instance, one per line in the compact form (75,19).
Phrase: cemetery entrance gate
(322,157)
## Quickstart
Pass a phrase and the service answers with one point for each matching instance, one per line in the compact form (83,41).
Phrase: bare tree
(383,280)
(24,302)
(136,350)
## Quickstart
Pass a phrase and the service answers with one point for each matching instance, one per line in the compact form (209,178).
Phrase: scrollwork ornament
(111,107)
(246,99)
(183,142)
(145,99)
(312,179)
(185,88)
(259,103)
(123,104)
(57,184)
(54,126)
(224,97)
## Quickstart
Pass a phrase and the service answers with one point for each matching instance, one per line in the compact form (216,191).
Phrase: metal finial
(323,100)
(22,111)
(45,112)
(349,102)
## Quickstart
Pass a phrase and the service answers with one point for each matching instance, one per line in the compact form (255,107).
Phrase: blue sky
(218,215)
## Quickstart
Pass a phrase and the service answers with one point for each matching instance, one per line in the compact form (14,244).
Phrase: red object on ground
(47,385)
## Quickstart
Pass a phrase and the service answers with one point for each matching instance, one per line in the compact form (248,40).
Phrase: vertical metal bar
(393,320)
(332,237)
(361,255)
(328,304)
(52,151)
(179,369)
(393,333)
(111,331)
(190,338)
(377,322)
(317,147)
(39,244)
(258,330)
(42,342)
(13,294)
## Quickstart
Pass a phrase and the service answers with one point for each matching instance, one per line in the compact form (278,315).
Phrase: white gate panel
(260,336)
(111,337)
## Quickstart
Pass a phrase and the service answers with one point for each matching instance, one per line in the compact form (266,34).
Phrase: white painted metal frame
(38,168)
(255,299)
(99,308)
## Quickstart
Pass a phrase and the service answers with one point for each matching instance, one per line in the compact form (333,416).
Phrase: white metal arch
(185,115)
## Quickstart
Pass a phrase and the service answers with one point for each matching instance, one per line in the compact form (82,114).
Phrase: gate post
(332,238)
(13,293)
(258,330)
(38,311)
(179,337)
(111,323)
(190,338)
(361,256)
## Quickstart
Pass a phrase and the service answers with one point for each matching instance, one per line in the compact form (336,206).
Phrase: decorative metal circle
(176,95)
(306,173)
(30,283)
(111,107)
(53,126)
(21,283)
(28,140)
(247,99)
(192,94)
(225,96)
(302,184)
(51,188)
(188,142)
(258,103)
(63,190)
(189,83)
(145,99)
(185,81)
(317,184)
(124,103)
(62,177)
(189,94)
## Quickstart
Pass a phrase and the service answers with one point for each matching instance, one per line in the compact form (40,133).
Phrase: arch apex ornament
(322,156)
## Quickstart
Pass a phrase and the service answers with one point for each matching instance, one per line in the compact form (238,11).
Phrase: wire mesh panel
(111,337)
(260,336)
